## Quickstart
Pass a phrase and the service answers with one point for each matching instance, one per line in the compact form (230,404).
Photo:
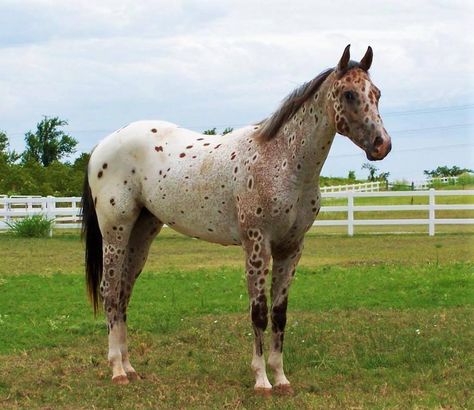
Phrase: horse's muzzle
(380,149)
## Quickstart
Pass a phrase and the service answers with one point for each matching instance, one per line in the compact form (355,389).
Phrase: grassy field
(375,322)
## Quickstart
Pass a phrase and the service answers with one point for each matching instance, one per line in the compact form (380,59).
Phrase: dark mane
(269,127)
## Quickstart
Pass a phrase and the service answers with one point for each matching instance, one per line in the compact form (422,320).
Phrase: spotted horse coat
(257,187)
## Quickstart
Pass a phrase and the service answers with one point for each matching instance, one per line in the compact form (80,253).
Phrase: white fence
(431,221)
(364,187)
(66,211)
(430,181)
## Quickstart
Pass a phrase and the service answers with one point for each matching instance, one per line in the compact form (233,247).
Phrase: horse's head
(354,106)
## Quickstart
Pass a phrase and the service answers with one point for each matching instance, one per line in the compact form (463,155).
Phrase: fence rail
(431,221)
(66,210)
(420,185)
(362,187)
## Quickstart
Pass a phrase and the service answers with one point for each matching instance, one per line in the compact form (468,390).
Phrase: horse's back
(184,178)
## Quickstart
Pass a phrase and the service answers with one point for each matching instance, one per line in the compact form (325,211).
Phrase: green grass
(64,253)
(163,299)
(374,322)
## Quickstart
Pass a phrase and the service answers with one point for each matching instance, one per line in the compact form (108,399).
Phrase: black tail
(93,238)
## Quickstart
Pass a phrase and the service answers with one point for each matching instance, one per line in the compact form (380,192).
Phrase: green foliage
(48,143)
(372,170)
(211,131)
(465,179)
(401,185)
(31,178)
(80,164)
(383,176)
(445,171)
(35,226)
(373,175)
(437,184)
(351,176)
(6,156)
(330,181)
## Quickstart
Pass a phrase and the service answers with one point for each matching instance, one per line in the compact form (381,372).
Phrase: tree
(351,176)
(48,143)
(374,175)
(6,156)
(213,131)
(3,142)
(466,179)
(445,171)
(372,170)
(210,132)
(383,176)
(81,162)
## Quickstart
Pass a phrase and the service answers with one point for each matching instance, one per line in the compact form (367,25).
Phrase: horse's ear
(346,55)
(366,61)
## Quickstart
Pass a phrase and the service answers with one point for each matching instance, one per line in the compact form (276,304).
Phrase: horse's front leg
(284,267)
(258,253)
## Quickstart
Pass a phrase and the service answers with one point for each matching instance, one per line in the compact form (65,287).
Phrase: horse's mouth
(380,153)
(371,157)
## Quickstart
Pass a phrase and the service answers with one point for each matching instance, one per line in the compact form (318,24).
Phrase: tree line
(41,169)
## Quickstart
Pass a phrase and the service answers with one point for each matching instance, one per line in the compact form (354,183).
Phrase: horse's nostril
(378,141)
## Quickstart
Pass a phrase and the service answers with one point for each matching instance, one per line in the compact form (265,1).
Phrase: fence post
(350,213)
(50,206)
(74,211)
(432,217)
(8,209)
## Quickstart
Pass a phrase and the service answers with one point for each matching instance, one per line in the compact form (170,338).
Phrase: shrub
(466,179)
(36,226)
(401,185)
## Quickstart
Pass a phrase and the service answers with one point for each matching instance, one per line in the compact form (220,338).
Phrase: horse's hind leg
(144,231)
(116,231)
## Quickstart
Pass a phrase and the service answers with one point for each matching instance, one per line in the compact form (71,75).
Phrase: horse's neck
(309,135)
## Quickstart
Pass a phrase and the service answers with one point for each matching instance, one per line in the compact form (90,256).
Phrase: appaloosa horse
(257,187)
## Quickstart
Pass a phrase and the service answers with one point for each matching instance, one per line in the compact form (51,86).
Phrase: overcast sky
(205,64)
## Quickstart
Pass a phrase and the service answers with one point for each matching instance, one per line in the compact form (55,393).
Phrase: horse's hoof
(263,391)
(122,380)
(133,376)
(284,390)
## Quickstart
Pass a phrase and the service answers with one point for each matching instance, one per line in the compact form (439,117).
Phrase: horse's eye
(349,96)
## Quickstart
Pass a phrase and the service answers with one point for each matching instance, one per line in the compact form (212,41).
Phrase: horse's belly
(210,217)
(226,236)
